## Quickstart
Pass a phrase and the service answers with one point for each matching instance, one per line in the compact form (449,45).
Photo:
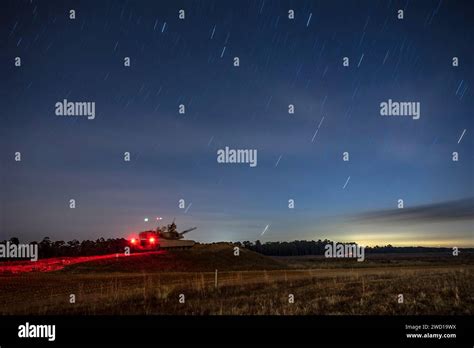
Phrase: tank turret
(165,237)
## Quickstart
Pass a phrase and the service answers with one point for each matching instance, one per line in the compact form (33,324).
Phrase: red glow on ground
(58,263)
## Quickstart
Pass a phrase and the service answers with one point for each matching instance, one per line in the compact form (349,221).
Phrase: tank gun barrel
(188,230)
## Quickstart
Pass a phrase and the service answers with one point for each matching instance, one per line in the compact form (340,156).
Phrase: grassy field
(250,284)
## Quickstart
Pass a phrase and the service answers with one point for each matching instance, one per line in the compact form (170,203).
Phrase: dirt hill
(200,258)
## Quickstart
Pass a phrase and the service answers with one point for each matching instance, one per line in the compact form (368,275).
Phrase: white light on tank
(146,219)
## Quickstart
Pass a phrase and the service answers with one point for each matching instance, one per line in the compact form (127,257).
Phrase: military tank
(165,237)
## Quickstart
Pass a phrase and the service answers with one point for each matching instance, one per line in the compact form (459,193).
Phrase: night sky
(300,155)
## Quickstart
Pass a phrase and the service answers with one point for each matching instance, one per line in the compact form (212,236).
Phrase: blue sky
(282,62)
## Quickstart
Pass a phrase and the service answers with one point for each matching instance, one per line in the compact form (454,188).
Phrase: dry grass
(426,289)
(250,284)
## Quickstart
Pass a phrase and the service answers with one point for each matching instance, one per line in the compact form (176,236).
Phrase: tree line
(312,247)
(101,246)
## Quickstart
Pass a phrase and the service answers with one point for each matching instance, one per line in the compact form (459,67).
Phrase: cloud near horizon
(461,209)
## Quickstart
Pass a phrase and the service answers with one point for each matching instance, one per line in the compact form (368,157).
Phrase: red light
(152,240)
(133,240)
